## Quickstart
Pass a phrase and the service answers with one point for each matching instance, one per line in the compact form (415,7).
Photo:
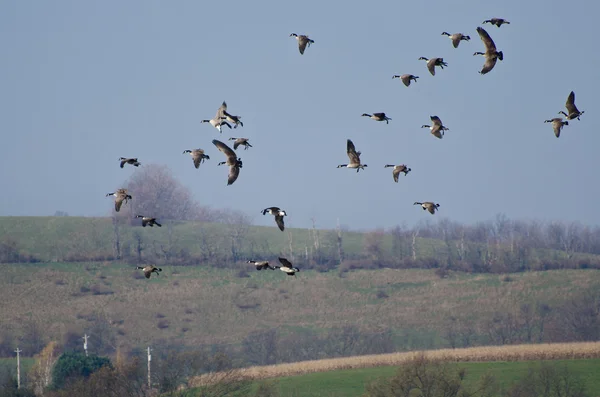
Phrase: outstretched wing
(396,172)
(221,111)
(431,66)
(436,120)
(234,172)
(570,105)
(352,154)
(147,273)
(431,208)
(123,163)
(557,126)
(285,262)
(456,40)
(236,144)
(405,79)
(302,42)
(487,40)
(279,221)
(119,201)
(197,157)
(489,64)
(225,149)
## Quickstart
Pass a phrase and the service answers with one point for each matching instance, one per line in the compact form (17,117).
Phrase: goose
(429,206)
(557,125)
(218,121)
(261,265)
(146,220)
(437,128)
(377,117)
(497,21)
(278,213)
(120,196)
(233,161)
(354,157)
(240,141)
(574,113)
(303,41)
(148,270)
(286,266)
(198,156)
(132,161)
(406,78)
(456,38)
(491,54)
(397,170)
(432,63)
(229,117)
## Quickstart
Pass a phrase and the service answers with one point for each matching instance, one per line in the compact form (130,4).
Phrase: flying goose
(437,128)
(286,266)
(229,117)
(497,21)
(240,141)
(557,125)
(377,117)
(218,121)
(261,265)
(120,196)
(303,41)
(354,157)
(491,54)
(148,270)
(233,161)
(574,113)
(456,38)
(146,220)
(406,78)
(132,161)
(198,156)
(429,206)
(279,214)
(432,63)
(397,170)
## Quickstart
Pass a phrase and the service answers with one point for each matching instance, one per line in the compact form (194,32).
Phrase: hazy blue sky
(83,83)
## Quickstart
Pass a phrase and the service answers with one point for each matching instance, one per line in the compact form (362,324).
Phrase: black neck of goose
(342,165)
(389,165)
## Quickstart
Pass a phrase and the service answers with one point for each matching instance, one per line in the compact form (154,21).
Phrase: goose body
(497,21)
(432,63)
(456,38)
(437,128)
(218,121)
(132,161)
(147,221)
(240,141)
(377,117)
(491,54)
(278,214)
(261,265)
(574,113)
(557,125)
(397,170)
(121,195)
(354,157)
(287,267)
(303,41)
(232,161)
(198,156)
(148,270)
(429,206)
(406,78)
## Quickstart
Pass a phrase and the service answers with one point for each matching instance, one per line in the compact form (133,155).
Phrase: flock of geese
(225,119)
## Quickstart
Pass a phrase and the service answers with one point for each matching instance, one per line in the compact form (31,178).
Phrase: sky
(84,83)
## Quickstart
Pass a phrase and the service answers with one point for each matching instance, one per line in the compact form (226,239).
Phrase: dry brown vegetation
(555,351)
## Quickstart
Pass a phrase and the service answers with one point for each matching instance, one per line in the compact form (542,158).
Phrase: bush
(72,366)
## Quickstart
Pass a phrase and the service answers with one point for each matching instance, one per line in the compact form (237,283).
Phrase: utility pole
(85,338)
(149,359)
(18,367)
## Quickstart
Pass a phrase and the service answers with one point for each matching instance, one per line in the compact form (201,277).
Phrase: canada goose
(146,220)
(406,78)
(286,266)
(377,117)
(240,141)
(198,156)
(354,157)
(432,63)
(491,54)
(397,170)
(303,41)
(148,270)
(229,117)
(261,265)
(120,196)
(218,121)
(437,128)
(233,161)
(574,113)
(497,21)
(132,161)
(279,214)
(557,125)
(456,38)
(429,206)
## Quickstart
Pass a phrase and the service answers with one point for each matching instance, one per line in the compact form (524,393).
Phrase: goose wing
(353,155)
(406,79)
(379,115)
(489,64)
(119,201)
(225,149)
(436,130)
(279,221)
(302,42)
(147,272)
(570,105)
(436,120)
(197,157)
(395,173)
(487,40)
(221,111)
(557,126)
(456,39)
(430,207)
(285,263)
(234,172)
(431,66)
